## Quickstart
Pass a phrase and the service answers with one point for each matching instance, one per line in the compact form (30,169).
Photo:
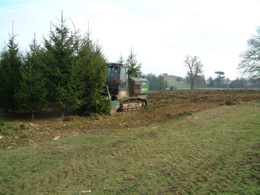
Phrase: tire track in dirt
(162,106)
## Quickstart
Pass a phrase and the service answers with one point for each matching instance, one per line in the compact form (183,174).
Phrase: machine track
(132,104)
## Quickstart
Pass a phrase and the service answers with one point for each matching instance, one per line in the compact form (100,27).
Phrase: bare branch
(194,66)
(250,63)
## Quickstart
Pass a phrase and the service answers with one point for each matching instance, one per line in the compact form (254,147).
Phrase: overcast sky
(161,32)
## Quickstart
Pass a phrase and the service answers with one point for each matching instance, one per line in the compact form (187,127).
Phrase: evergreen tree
(200,82)
(155,83)
(132,63)
(92,76)
(60,59)
(32,92)
(161,83)
(238,83)
(211,82)
(120,60)
(219,81)
(10,75)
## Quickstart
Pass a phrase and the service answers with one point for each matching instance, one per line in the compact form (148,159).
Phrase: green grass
(179,85)
(212,152)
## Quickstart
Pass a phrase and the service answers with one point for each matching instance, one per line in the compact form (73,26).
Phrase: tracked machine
(124,91)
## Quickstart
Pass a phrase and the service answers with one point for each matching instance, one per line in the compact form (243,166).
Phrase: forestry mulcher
(124,91)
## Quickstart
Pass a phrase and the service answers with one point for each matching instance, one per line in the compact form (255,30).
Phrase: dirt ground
(162,107)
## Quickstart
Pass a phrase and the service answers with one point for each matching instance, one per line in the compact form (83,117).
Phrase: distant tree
(179,79)
(251,57)
(227,80)
(155,83)
(234,84)
(211,82)
(200,81)
(133,65)
(194,66)
(10,74)
(244,83)
(220,79)
(32,92)
(220,74)
(238,83)
(161,82)
(152,81)
(60,52)
(254,83)
(166,84)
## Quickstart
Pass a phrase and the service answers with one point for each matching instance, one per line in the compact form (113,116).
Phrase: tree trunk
(33,116)
(192,82)
(62,113)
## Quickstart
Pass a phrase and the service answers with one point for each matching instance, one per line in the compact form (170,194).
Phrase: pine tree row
(66,73)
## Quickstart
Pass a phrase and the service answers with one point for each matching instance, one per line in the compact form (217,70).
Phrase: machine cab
(117,77)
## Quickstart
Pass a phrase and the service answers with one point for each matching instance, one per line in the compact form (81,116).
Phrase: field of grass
(215,151)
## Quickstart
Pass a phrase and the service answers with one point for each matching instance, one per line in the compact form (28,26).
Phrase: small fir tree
(92,75)
(161,82)
(60,59)
(156,83)
(10,75)
(32,92)
(132,63)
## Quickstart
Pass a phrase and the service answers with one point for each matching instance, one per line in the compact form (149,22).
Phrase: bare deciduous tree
(251,57)
(194,66)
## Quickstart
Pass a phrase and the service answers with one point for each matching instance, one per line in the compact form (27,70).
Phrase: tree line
(156,82)
(250,65)
(66,73)
(220,81)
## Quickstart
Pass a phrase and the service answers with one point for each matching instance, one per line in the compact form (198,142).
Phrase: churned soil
(163,106)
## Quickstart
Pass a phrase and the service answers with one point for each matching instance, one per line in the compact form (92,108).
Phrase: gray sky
(161,32)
